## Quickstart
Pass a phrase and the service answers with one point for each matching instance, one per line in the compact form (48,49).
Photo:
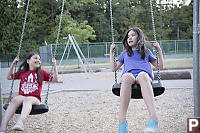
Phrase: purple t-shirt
(135,64)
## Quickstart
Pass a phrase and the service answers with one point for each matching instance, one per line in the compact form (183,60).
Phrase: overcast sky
(187,2)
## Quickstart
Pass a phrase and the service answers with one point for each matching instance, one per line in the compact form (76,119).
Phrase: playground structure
(71,48)
(196,61)
(78,51)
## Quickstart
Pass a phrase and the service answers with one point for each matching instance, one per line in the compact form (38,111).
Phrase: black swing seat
(158,89)
(36,109)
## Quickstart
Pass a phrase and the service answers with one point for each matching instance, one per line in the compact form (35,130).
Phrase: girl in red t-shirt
(31,76)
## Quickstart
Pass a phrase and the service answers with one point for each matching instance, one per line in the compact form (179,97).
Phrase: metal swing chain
(54,55)
(112,34)
(154,33)
(20,44)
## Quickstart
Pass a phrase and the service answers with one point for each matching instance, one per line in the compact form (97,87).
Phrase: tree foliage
(88,21)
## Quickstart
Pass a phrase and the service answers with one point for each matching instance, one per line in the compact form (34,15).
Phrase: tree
(81,31)
(88,21)
(11,24)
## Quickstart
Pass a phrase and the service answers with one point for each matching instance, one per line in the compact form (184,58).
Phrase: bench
(90,60)
(106,55)
(173,75)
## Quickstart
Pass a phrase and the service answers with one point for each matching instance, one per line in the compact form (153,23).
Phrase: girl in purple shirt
(137,60)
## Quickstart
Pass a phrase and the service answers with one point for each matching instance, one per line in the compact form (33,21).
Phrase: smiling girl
(31,76)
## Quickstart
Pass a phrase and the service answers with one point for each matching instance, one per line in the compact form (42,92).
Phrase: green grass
(178,63)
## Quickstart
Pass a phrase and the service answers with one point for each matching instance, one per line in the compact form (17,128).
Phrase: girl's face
(34,62)
(132,39)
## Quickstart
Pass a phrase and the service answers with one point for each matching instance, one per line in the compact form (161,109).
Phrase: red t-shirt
(29,85)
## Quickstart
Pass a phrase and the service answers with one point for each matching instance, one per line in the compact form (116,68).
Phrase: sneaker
(151,127)
(18,126)
(123,127)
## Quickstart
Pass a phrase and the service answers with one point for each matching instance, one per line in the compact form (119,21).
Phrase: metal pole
(196,91)
(106,50)
(0,96)
(51,52)
(64,53)
(69,49)
(88,49)
(76,50)
(175,47)
(83,57)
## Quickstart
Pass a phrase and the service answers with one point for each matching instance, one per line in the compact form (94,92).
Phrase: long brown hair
(24,67)
(140,44)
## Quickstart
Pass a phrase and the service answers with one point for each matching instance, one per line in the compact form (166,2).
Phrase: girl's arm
(118,64)
(10,72)
(160,56)
(55,71)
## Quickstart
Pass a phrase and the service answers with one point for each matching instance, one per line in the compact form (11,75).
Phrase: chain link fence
(99,52)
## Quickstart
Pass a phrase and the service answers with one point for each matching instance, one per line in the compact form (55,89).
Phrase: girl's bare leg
(14,104)
(26,109)
(147,92)
(125,95)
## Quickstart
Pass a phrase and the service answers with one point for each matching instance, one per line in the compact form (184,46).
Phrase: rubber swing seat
(36,109)
(158,89)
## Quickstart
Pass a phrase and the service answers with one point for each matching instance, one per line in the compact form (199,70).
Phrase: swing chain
(54,55)
(153,23)
(112,34)
(111,22)
(23,28)
(154,33)
(59,29)
(12,84)
(20,44)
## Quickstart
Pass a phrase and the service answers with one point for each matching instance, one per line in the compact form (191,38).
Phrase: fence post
(175,46)
(168,47)
(106,49)
(88,48)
